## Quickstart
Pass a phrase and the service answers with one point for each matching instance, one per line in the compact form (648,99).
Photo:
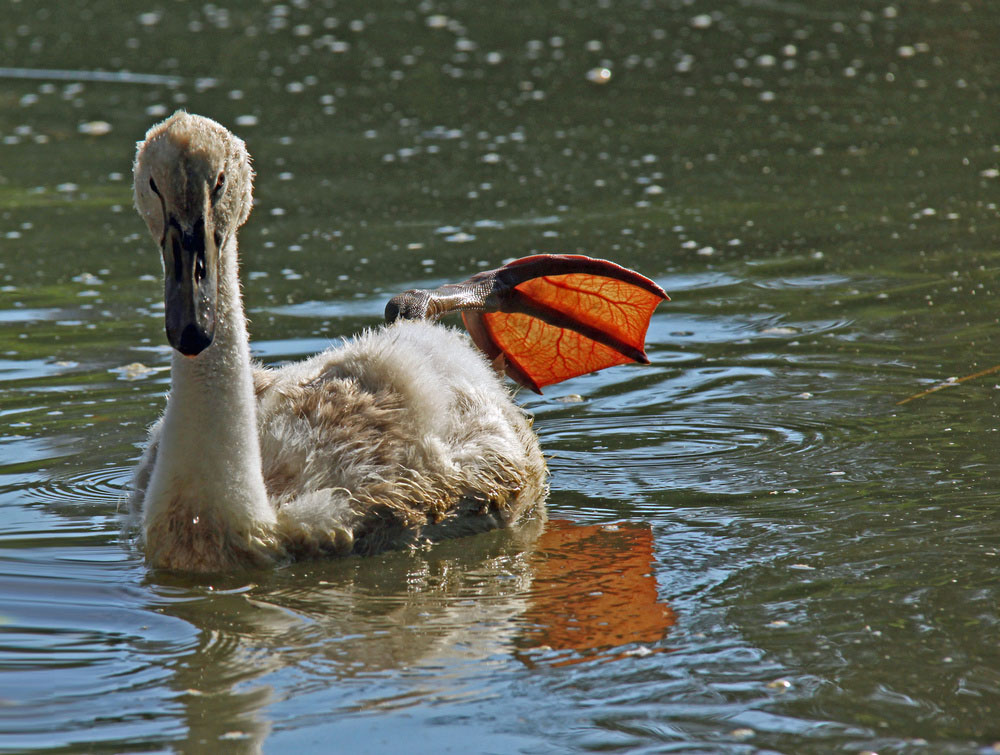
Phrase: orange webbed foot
(548,317)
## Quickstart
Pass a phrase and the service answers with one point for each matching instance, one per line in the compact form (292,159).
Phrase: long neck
(208,462)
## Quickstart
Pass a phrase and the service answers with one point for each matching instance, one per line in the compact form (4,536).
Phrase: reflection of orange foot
(593,593)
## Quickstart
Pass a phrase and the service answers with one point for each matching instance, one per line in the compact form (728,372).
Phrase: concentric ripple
(713,447)
(100,489)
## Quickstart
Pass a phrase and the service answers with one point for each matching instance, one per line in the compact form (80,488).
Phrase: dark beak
(190,286)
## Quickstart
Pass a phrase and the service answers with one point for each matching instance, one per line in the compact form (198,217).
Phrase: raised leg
(548,317)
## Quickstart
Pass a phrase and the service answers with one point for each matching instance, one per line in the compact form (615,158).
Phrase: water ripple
(102,488)
(730,448)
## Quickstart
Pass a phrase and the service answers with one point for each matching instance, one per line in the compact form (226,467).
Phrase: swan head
(193,187)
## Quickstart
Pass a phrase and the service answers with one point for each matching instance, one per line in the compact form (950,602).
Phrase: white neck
(208,464)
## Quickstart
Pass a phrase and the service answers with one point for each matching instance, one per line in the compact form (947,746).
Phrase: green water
(753,548)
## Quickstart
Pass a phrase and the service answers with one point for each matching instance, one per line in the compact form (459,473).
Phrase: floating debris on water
(94,128)
(599,75)
(132,371)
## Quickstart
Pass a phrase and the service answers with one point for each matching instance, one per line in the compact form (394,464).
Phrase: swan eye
(220,184)
(152,185)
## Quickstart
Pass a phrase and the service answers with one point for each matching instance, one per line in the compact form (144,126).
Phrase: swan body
(402,435)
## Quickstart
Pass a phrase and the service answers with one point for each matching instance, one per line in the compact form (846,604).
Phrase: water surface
(751,546)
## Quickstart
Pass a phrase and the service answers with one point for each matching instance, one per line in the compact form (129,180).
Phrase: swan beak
(190,259)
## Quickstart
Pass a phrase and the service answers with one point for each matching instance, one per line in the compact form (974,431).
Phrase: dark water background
(753,548)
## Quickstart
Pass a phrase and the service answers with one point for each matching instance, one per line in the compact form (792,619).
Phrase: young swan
(400,436)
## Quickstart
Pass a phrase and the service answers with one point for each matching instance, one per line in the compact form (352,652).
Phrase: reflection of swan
(402,434)
(411,628)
